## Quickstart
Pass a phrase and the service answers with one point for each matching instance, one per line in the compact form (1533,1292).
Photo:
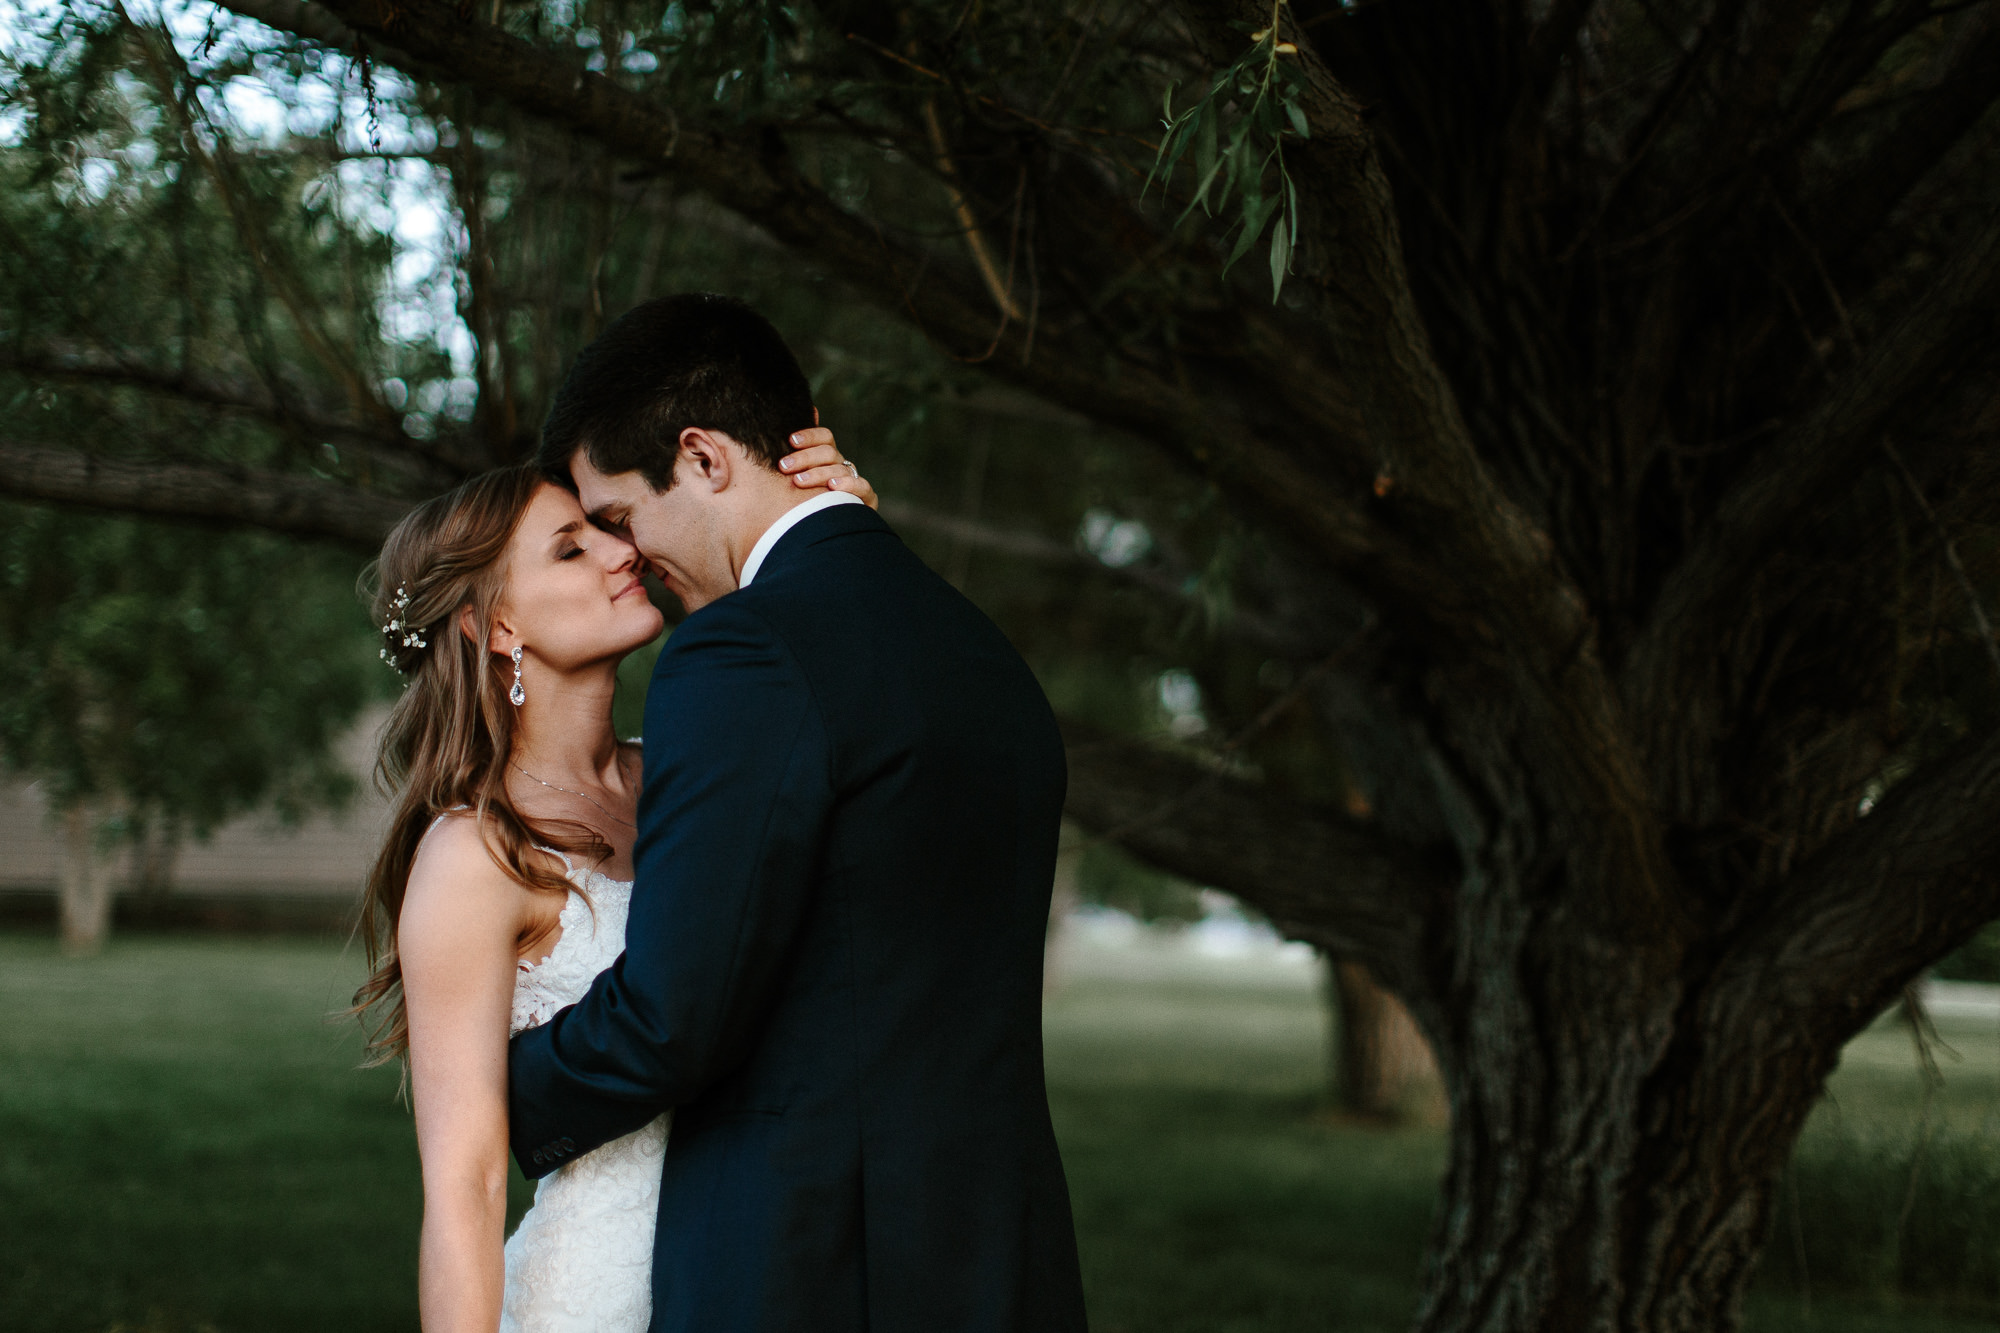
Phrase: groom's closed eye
(613,523)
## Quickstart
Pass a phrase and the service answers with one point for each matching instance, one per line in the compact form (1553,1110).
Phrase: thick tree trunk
(1614,1155)
(1382,1066)
(85,886)
(1604,1218)
(1622,1100)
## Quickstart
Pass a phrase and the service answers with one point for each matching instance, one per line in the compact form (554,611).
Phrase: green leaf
(1256,212)
(1281,259)
(1200,199)
(1298,116)
(1244,176)
(1245,238)
(1173,145)
(1230,168)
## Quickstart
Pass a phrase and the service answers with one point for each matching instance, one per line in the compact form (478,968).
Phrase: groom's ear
(707,460)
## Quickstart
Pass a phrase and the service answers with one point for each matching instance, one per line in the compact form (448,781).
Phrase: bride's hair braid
(435,590)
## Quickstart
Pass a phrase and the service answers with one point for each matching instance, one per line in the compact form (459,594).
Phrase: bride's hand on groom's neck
(816,462)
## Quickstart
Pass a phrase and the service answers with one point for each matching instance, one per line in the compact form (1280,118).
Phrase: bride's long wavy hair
(446,743)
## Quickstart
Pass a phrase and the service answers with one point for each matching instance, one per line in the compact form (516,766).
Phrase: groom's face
(667,528)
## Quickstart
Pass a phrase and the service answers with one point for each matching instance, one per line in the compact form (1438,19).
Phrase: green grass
(1211,1190)
(185,1144)
(1895,1194)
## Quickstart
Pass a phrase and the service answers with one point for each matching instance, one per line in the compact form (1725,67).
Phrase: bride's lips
(638,584)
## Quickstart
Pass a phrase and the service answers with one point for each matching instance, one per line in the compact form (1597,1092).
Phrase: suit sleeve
(731,822)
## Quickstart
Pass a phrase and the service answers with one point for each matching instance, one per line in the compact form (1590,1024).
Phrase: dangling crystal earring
(517,696)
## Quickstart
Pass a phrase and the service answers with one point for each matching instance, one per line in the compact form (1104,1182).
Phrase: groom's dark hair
(696,359)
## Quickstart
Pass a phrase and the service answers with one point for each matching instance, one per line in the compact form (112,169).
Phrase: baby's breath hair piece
(399,632)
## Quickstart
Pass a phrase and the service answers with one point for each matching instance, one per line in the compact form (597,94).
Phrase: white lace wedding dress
(582,1259)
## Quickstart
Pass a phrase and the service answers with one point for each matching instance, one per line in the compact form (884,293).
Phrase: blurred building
(254,871)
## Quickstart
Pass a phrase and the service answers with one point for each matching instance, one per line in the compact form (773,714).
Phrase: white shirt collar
(786,522)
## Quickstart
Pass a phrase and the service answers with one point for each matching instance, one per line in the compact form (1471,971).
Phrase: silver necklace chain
(568,791)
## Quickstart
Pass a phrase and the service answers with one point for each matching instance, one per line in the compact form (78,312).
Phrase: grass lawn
(185,1145)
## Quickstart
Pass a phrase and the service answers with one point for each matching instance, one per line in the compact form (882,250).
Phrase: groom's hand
(816,461)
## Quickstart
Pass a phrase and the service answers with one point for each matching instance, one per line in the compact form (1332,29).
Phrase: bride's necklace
(568,791)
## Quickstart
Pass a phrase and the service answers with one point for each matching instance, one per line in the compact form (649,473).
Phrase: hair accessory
(518,696)
(400,633)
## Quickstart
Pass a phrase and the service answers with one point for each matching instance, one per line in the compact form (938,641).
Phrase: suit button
(568,1145)
(536,1157)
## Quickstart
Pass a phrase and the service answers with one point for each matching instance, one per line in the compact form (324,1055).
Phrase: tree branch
(438,461)
(212,152)
(1765,49)
(1549,42)
(1850,206)
(1017,544)
(310,21)
(1320,876)
(747,172)
(295,505)
(498,406)
(1671,675)
(1899,889)
(1532,622)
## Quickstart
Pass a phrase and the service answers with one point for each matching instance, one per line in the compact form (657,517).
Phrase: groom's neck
(767,497)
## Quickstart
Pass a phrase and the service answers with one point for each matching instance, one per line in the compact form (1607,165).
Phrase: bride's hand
(816,461)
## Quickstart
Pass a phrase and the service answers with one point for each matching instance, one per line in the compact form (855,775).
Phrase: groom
(833,966)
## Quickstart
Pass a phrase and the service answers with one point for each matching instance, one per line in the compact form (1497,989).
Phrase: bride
(501,889)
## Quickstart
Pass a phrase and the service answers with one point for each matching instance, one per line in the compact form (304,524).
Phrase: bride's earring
(517,696)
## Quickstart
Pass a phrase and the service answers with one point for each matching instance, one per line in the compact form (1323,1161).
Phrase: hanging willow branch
(1267,87)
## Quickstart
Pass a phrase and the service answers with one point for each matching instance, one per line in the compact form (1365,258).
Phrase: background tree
(162,677)
(1563,598)
(166,679)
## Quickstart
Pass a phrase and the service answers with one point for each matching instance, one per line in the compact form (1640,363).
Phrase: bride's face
(573,594)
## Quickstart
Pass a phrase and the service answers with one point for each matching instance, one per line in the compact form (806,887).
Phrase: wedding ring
(851,467)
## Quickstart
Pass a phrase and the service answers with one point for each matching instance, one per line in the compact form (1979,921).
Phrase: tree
(166,680)
(162,677)
(1381,1066)
(1605,496)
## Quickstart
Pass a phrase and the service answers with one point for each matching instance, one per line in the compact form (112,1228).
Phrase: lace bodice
(582,1259)
(593,935)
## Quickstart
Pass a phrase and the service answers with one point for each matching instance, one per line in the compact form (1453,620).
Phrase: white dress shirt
(786,522)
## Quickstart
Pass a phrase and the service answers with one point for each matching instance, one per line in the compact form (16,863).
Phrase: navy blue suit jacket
(833,966)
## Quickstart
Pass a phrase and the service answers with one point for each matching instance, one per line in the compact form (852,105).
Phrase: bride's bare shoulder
(454,842)
(455,882)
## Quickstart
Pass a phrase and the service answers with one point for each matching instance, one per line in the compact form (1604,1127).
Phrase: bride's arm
(457,940)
